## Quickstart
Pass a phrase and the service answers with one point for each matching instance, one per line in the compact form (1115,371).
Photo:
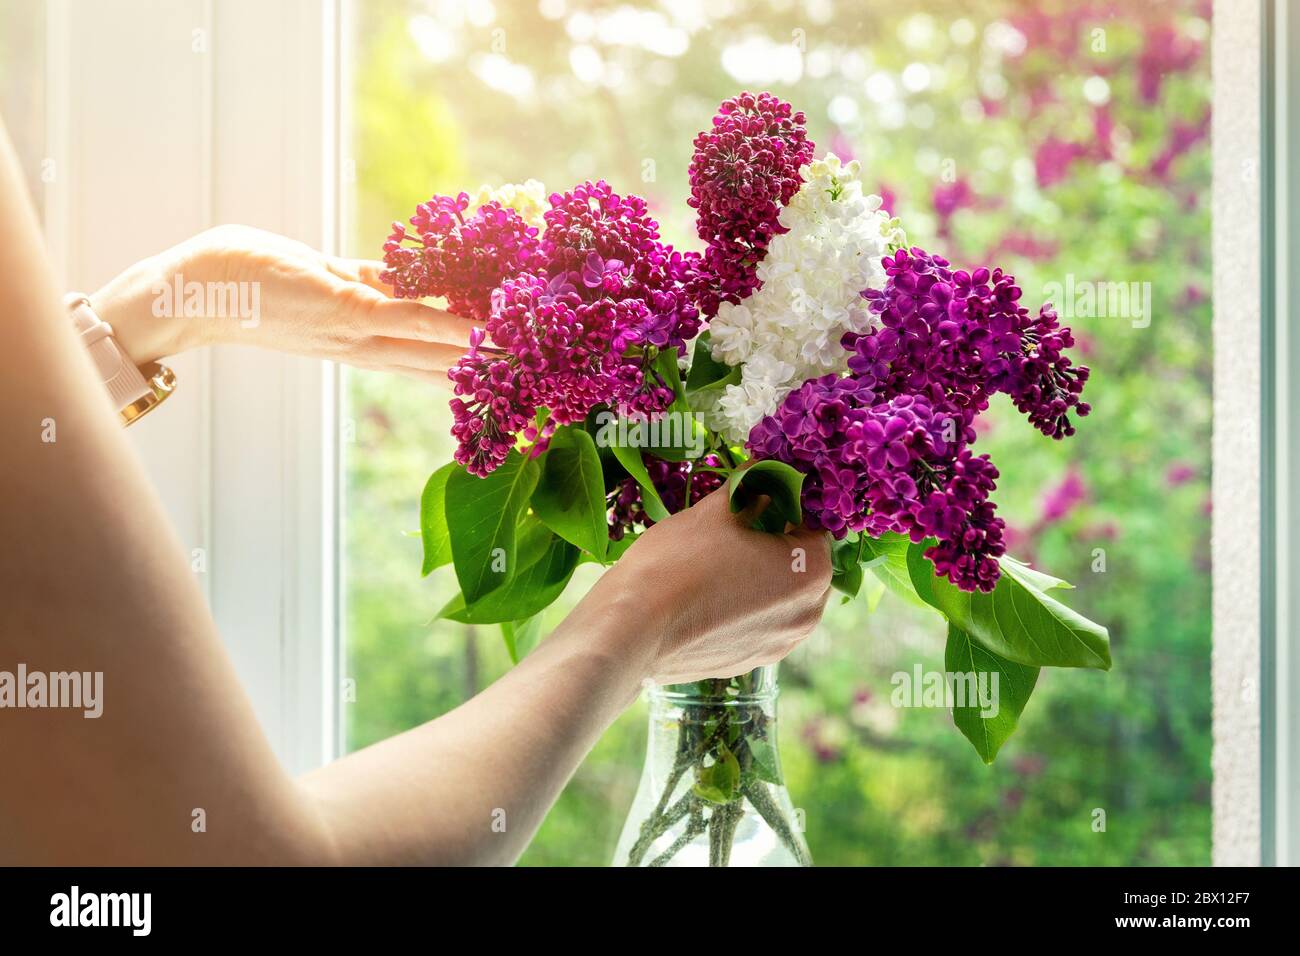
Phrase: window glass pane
(1066,142)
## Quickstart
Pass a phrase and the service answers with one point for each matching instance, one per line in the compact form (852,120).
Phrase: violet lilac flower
(886,448)
(877,465)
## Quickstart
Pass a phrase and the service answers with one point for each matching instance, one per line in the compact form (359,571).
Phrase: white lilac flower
(764,381)
(733,340)
(812,278)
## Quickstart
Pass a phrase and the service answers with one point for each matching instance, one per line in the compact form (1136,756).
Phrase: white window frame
(1280,428)
(1256,455)
(155,140)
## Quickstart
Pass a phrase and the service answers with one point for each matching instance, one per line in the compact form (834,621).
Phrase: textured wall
(1235,67)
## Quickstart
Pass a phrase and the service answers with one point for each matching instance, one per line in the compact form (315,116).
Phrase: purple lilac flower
(579,330)
(599,235)
(960,337)
(459,258)
(745,168)
(887,447)
(561,353)
(876,466)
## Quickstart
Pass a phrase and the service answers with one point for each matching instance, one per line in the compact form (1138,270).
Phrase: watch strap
(133,391)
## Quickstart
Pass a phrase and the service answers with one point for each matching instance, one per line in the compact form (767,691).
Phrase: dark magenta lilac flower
(745,168)
(560,351)
(613,246)
(461,258)
(573,317)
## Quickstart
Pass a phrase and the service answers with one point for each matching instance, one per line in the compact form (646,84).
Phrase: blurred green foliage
(956,115)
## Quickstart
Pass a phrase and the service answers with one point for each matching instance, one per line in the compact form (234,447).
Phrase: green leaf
(619,548)
(630,458)
(570,493)
(846,570)
(849,581)
(920,571)
(875,591)
(665,364)
(764,760)
(1015,682)
(521,636)
(780,482)
(482,514)
(546,564)
(433,520)
(718,782)
(616,550)
(1033,577)
(1016,620)
(886,557)
(707,373)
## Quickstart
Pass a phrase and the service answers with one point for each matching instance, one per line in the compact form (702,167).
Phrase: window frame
(1279,232)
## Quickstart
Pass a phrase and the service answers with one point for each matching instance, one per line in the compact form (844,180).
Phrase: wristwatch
(134,391)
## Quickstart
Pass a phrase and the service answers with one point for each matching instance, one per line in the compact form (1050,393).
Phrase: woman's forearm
(474,785)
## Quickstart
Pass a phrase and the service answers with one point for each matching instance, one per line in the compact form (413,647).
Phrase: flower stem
(722,831)
(693,829)
(762,801)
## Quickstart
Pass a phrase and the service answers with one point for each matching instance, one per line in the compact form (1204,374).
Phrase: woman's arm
(92,579)
(236,285)
(700,595)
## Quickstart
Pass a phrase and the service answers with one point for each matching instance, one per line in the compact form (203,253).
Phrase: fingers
(407,319)
(400,354)
(357,289)
(718,502)
(817,546)
(821,539)
(435,377)
(753,510)
(715,502)
(365,271)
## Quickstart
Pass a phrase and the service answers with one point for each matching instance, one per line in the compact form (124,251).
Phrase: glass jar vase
(711,792)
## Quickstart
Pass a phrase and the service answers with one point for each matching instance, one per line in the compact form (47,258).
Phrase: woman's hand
(238,285)
(705,595)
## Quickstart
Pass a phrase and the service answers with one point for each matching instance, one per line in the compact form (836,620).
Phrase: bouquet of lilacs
(807,353)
